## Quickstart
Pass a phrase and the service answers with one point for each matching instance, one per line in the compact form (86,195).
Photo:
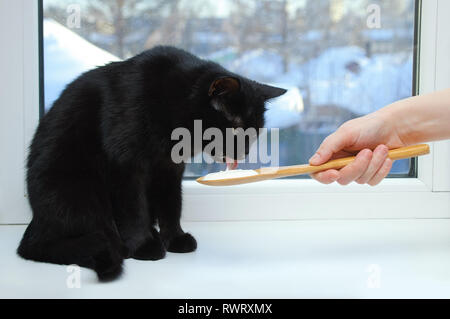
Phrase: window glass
(339,59)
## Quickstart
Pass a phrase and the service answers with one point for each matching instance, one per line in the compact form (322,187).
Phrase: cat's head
(236,102)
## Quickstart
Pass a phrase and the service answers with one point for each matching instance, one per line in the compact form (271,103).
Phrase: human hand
(370,137)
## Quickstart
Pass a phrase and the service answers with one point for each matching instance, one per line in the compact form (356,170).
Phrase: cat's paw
(108,265)
(184,243)
(152,249)
(110,273)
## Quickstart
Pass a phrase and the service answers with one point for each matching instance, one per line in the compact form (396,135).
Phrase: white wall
(18,102)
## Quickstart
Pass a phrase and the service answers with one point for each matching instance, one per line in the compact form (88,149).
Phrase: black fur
(100,176)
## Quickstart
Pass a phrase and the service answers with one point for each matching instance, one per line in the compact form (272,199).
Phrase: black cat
(100,174)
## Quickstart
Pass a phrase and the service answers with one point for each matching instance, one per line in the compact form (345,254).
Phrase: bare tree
(117,14)
(261,24)
(171,28)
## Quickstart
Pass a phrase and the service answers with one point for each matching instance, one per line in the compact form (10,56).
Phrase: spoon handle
(394,154)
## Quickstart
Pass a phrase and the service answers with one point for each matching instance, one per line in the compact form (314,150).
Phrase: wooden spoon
(266,173)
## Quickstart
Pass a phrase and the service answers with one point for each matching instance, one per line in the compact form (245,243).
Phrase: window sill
(308,259)
(307,199)
(283,186)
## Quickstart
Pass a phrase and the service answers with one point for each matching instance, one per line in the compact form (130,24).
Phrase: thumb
(330,145)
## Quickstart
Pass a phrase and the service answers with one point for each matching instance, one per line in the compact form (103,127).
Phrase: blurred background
(339,59)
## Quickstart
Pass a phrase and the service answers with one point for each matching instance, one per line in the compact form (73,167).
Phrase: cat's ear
(270,92)
(224,85)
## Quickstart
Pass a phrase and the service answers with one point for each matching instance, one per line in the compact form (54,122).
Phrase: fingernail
(315,158)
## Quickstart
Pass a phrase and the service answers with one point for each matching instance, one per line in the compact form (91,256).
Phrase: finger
(382,172)
(326,177)
(378,157)
(355,169)
(330,145)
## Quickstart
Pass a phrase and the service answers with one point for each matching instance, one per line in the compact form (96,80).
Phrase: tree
(261,24)
(118,14)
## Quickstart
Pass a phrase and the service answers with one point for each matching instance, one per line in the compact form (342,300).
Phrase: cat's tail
(91,251)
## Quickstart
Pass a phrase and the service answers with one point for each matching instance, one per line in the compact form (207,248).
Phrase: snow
(381,79)
(312,35)
(377,81)
(261,65)
(387,34)
(66,56)
(286,110)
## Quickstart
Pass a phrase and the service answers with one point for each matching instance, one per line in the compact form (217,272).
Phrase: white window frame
(19,103)
(427,196)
